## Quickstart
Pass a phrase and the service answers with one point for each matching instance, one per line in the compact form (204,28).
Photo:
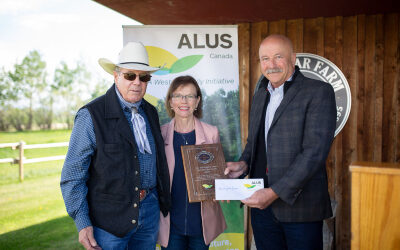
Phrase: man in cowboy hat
(115,179)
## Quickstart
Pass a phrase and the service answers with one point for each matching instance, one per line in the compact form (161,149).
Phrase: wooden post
(21,161)
(375,205)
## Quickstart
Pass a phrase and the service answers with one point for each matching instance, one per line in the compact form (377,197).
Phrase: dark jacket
(299,141)
(114,173)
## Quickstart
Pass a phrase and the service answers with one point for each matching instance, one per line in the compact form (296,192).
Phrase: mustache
(274,70)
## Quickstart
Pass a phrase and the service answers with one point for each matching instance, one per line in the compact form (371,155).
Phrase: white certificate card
(236,189)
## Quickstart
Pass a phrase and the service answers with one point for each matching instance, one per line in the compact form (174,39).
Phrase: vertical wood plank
(338,143)
(390,88)
(360,102)
(314,36)
(370,89)
(349,134)
(258,31)
(355,207)
(397,105)
(244,78)
(244,100)
(329,39)
(377,145)
(277,27)
(375,223)
(294,30)
(319,25)
(329,52)
(310,36)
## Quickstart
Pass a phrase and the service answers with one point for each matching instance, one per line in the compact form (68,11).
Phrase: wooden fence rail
(22,160)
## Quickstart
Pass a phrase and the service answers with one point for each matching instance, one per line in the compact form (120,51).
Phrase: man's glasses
(181,97)
(132,77)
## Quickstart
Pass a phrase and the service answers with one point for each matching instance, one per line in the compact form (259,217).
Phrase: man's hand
(261,198)
(86,238)
(235,169)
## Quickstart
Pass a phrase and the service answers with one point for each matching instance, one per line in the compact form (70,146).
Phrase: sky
(61,30)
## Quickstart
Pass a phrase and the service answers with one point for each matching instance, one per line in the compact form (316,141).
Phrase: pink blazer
(213,219)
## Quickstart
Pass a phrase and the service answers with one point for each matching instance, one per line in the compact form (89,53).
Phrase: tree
(69,84)
(6,88)
(29,79)
(26,97)
(222,110)
(18,117)
(162,112)
(7,95)
(100,88)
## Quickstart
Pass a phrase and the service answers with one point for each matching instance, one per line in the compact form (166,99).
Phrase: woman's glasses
(132,77)
(181,97)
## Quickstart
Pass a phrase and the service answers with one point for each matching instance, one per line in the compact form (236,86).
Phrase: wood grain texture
(258,32)
(338,144)
(294,30)
(390,136)
(277,27)
(330,54)
(361,37)
(244,79)
(379,90)
(244,102)
(370,87)
(349,69)
(375,206)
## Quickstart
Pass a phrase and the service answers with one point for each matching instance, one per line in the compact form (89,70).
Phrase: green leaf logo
(248,186)
(207,186)
(172,64)
(185,63)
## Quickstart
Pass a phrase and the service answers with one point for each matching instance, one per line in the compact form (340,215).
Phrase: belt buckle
(142,194)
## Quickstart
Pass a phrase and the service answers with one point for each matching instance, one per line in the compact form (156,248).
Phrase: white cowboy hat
(132,56)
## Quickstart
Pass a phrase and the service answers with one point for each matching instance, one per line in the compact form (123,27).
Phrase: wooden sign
(202,164)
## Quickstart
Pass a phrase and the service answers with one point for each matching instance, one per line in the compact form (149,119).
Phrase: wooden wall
(366,48)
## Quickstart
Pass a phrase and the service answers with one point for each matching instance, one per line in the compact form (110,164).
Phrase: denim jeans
(185,242)
(271,234)
(142,237)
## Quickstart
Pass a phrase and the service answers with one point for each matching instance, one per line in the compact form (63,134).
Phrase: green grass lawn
(32,213)
(36,137)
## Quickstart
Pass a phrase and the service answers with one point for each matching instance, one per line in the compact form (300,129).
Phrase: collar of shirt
(273,90)
(125,104)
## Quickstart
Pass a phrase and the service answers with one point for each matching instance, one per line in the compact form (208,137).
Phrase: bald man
(292,126)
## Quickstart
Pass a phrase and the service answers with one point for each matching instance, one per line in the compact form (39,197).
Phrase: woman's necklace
(184,139)
(181,133)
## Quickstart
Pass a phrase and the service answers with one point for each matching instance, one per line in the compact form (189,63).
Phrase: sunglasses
(132,77)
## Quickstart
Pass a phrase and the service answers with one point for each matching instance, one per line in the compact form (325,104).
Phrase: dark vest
(114,172)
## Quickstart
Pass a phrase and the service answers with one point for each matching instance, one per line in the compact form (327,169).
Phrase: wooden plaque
(202,164)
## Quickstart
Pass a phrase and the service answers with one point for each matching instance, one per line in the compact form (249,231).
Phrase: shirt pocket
(112,162)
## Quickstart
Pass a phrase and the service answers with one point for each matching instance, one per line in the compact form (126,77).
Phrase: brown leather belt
(143,193)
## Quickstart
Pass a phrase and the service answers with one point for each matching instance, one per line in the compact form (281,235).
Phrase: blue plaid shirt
(82,146)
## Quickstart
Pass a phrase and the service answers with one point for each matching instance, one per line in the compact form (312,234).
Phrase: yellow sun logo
(248,186)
